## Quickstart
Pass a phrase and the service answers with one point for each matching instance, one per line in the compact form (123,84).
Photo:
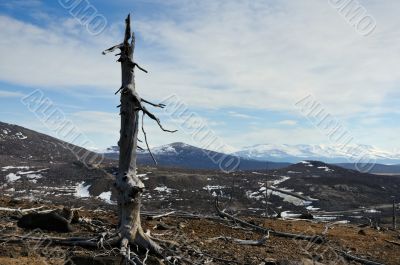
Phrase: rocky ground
(197,236)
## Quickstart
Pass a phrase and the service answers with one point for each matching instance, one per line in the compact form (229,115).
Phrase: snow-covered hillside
(326,153)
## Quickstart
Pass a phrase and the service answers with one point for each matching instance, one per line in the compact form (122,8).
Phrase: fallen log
(160,215)
(260,242)
(393,242)
(19,210)
(314,239)
(358,259)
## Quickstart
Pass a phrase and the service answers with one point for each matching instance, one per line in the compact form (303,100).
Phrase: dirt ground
(198,239)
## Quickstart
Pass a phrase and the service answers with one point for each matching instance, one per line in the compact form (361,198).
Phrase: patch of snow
(31,172)
(371,211)
(21,136)
(312,208)
(327,169)
(326,217)
(163,189)
(142,176)
(164,149)
(280,180)
(210,187)
(12,167)
(34,176)
(289,214)
(254,195)
(82,191)
(106,196)
(12,177)
(308,164)
(290,199)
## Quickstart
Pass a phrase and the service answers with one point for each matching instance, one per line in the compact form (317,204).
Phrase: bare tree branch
(153,117)
(145,139)
(160,105)
(113,48)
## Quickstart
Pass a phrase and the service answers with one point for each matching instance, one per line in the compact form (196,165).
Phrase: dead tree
(128,185)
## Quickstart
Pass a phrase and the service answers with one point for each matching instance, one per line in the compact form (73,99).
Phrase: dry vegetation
(198,240)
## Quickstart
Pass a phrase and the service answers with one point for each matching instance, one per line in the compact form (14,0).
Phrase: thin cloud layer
(221,57)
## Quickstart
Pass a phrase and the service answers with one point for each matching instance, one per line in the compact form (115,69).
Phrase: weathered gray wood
(128,185)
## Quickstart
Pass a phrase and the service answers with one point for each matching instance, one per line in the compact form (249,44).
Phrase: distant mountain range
(263,156)
(326,153)
(187,156)
(18,143)
(38,167)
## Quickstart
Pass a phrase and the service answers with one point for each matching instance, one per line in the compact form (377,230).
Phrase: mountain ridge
(326,153)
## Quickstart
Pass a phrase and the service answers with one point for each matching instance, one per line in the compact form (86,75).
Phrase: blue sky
(240,65)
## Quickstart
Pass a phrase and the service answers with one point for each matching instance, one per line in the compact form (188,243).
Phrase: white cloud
(240,115)
(288,122)
(53,58)
(97,122)
(10,94)
(270,56)
(223,54)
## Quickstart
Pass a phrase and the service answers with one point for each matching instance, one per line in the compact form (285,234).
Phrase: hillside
(339,188)
(182,155)
(37,170)
(62,177)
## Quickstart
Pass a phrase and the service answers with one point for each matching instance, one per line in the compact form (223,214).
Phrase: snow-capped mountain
(326,153)
(279,153)
(188,156)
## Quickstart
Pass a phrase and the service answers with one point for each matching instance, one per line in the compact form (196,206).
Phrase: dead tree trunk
(128,185)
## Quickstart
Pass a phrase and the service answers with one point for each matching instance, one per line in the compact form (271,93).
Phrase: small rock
(362,232)
(306,216)
(270,262)
(317,257)
(162,226)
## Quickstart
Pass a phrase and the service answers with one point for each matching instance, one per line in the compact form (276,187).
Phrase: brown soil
(199,235)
